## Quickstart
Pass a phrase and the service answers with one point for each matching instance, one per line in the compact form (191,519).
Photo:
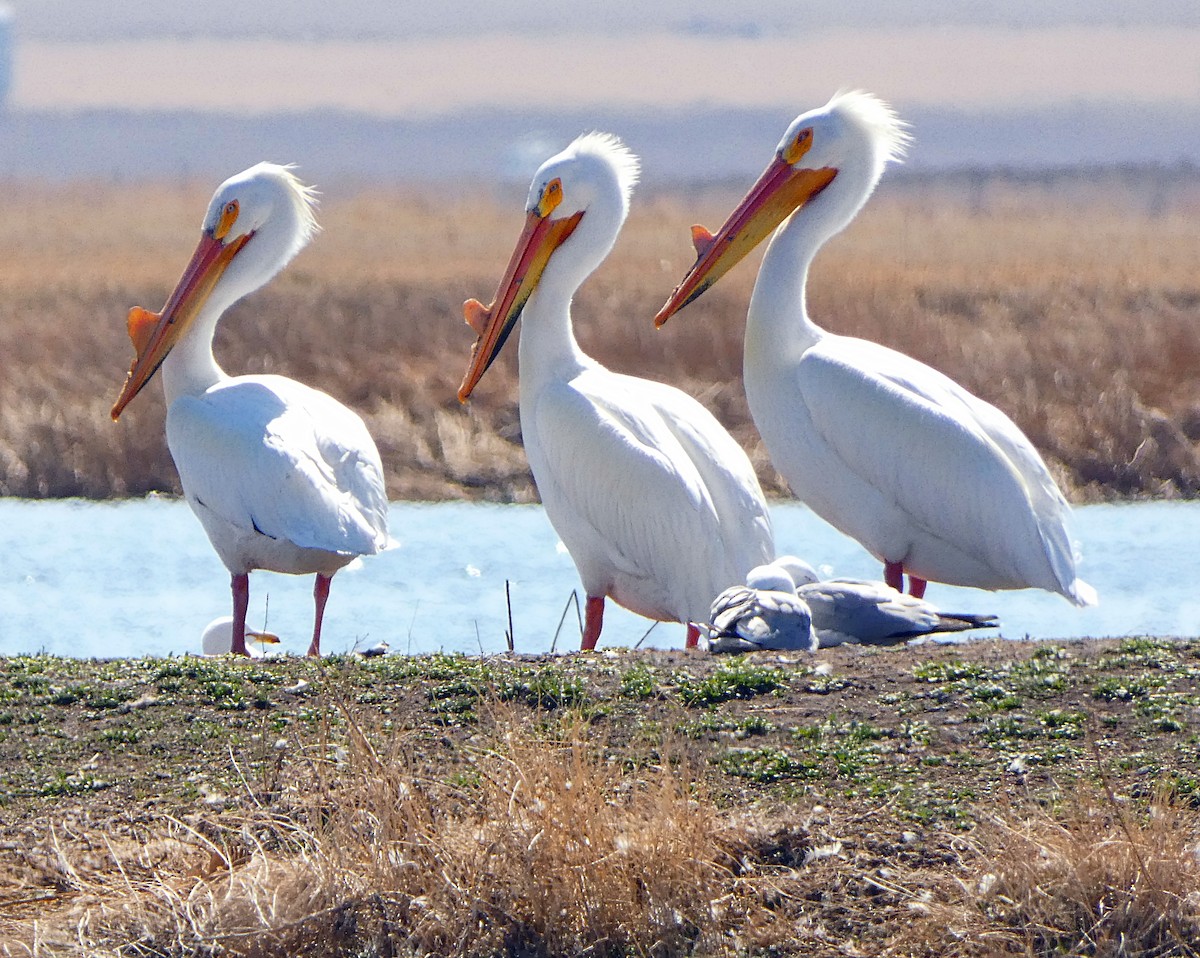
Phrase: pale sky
(965,68)
(407,19)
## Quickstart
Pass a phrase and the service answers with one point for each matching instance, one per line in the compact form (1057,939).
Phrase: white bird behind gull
(217,639)
(657,504)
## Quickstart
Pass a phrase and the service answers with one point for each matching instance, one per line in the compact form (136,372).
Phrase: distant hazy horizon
(487,146)
(963,68)
(462,87)
(77,20)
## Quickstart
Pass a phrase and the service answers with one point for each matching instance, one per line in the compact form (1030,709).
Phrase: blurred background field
(1068,298)
(1039,244)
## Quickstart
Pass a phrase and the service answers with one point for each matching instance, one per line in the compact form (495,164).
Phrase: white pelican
(281,476)
(765,613)
(860,612)
(656,503)
(217,639)
(930,479)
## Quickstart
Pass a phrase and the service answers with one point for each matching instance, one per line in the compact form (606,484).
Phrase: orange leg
(320,597)
(593,622)
(893,575)
(693,636)
(240,585)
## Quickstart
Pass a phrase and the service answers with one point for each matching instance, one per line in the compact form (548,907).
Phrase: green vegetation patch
(712,724)
(739,679)
(549,687)
(640,682)
(767,765)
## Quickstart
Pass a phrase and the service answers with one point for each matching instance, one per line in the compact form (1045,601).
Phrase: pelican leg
(593,622)
(320,597)
(893,575)
(240,585)
(693,637)
(916,587)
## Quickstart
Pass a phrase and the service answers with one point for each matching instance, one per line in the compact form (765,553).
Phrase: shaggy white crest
(877,118)
(305,198)
(610,148)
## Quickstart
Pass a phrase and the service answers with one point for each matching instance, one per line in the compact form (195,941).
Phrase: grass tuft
(739,679)
(1102,879)
(544,848)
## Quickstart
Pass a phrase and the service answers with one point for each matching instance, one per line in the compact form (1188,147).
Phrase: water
(139,578)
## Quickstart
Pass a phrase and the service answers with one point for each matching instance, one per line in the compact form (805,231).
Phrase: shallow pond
(139,577)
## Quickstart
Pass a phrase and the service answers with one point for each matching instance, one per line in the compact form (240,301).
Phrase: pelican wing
(958,466)
(272,455)
(726,473)
(614,463)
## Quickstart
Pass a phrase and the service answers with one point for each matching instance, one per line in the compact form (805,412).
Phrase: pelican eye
(800,145)
(229,216)
(552,195)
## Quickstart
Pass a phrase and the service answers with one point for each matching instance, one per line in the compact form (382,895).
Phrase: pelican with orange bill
(657,504)
(932,480)
(282,476)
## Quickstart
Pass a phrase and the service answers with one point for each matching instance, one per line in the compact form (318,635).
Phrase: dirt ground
(885,771)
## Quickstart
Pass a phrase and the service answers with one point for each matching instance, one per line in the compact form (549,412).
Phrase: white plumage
(932,480)
(217,639)
(656,503)
(764,614)
(282,477)
(863,612)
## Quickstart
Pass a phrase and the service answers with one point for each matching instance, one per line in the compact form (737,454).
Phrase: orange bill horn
(779,192)
(154,334)
(476,315)
(493,324)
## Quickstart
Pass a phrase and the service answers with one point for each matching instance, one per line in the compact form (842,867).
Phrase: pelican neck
(548,348)
(191,369)
(777,321)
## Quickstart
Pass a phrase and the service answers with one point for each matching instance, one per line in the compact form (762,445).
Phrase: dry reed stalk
(1070,302)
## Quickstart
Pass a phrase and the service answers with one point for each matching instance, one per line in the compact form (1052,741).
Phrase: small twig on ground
(646,635)
(412,622)
(509,637)
(573,597)
(241,775)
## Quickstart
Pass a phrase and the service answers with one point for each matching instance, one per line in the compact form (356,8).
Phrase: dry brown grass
(1070,302)
(547,847)
(544,848)
(443,807)
(1098,878)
